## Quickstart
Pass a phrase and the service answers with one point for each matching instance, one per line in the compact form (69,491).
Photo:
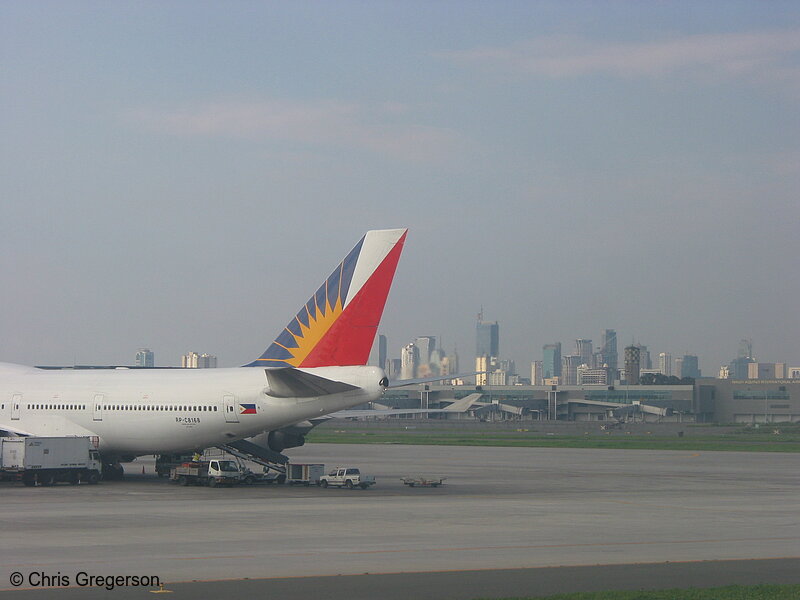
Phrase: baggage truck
(49,460)
(207,472)
(304,474)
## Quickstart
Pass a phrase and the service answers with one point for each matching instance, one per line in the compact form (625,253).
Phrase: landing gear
(113,471)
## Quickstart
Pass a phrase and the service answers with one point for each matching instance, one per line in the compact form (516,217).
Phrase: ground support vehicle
(166,462)
(348,477)
(212,473)
(49,460)
(250,477)
(304,474)
(423,481)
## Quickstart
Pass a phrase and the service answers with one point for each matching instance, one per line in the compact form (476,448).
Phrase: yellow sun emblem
(317,327)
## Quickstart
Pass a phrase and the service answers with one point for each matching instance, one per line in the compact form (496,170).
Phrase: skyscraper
(536,372)
(569,369)
(746,348)
(193,360)
(382,352)
(426,344)
(608,350)
(739,366)
(145,358)
(632,365)
(583,348)
(409,358)
(487,338)
(690,366)
(551,360)
(665,363)
(644,357)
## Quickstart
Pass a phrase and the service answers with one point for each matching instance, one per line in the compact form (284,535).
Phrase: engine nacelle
(280,440)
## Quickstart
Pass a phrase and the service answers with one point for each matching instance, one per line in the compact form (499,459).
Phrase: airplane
(315,366)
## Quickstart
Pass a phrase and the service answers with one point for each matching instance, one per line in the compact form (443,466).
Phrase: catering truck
(48,460)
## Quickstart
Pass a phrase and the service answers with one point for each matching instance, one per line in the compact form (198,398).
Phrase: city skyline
(178,178)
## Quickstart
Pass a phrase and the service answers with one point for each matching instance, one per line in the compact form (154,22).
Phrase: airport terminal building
(707,401)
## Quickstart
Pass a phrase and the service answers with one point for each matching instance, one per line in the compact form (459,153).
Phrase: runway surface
(501,508)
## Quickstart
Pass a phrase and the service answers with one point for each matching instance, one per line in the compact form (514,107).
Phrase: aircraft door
(230,408)
(16,402)
(97,415)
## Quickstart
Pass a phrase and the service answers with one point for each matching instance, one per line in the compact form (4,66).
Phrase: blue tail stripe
(337,285)
(294,327)
(349,267)
(284,339)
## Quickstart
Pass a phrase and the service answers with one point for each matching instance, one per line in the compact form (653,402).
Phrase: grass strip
(730,592)
(521,440)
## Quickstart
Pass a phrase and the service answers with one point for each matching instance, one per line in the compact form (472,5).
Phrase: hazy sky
(183,175)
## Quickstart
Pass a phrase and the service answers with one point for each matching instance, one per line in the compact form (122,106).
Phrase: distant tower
(551,360)
(583,348)
(690,366)
(487,337)
(536,372)
(425,344)
(608,350)
(193,360)
(569,369)
(453,362)
(746,348)
(382,352)
(665,363)
(409,358)
(644,357)
(145,358)
(678,367)
(632,365)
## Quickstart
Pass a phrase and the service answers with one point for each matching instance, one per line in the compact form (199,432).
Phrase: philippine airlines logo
(248,409)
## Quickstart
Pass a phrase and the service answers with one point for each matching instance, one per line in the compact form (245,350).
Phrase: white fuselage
(156,411)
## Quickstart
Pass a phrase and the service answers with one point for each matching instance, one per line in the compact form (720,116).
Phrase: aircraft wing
(288,382)
(457,406)
(52,425)
(404,382)
(8,428)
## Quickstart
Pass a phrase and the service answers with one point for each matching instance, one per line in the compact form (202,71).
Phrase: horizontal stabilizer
(404,382)
(287,382)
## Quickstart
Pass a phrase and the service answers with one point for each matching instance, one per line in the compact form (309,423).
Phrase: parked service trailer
(48,460)
(304,474)
(423,481)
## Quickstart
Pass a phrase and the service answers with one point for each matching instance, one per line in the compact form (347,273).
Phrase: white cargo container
(304,474)
(48,460)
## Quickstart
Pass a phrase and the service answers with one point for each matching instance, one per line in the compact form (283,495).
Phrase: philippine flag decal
(248,409)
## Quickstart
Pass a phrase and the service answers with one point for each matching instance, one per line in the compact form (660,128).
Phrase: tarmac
(507,522)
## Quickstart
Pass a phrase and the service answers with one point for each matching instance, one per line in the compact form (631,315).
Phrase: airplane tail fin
(337,326)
